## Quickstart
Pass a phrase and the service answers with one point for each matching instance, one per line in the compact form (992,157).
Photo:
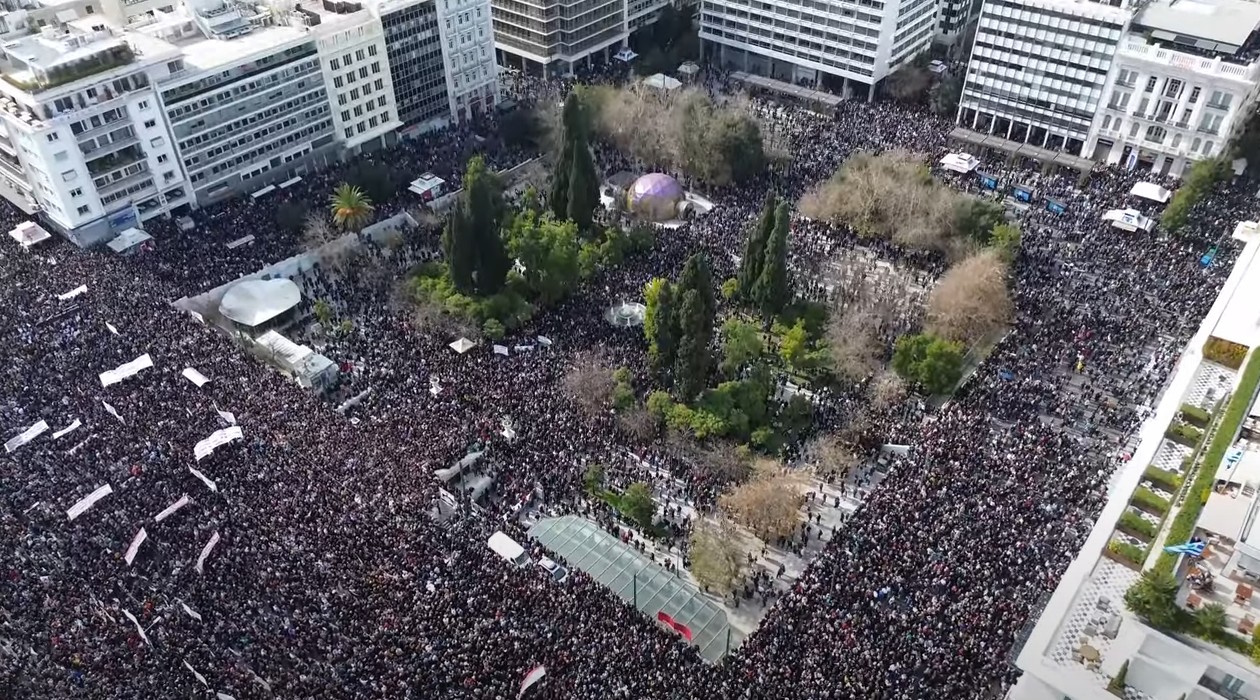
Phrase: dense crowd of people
(306,564)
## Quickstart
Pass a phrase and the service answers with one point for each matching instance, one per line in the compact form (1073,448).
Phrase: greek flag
(1194,549)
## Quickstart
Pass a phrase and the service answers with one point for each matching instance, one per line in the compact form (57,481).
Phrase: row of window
(359,55)
(304,134)
(263,116)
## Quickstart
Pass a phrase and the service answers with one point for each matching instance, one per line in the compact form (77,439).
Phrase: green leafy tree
(755,245)
(1203,177)
(323,312)
(351,208)
(483,199)
(548,250)
(691,362)
(493,329)
(975,218)
(933,363)
(1154,598)
(698,276)
(593,478)
(794,347)
(530,201)
(458,245)
(771,291)
(637,504)
(1006,239)
(1211,620)
(741,344)
(659,403)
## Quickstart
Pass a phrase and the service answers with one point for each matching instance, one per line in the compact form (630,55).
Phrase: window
(168,176)
(1173,88)
(1220,100)
(144,104)
(1194,94)
(1156,134)
(346,60)
(150,123)
(341,99)
(53,137)
(89,9)
(1150,83)
(358,110)
(69,176)
(372,121)
(1133,130)
(1207,148)
(162,158)
(1211,123)
(372,50)
(337,80)
(60,156)
(334,64)
(157,142)
(1106,122)
(376,67)
(380,101)
(361,127)
(1194,145)
(345,115)
(354,94)
(76,192)
(359,55)
(363,72)
(349,132)
(1176,140)
(84,210)
(379,84)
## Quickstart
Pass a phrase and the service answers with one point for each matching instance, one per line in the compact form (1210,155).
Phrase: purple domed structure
(655,197)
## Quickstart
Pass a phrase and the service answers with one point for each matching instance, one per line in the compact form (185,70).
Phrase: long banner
(217,439)
(205,552)
(87,502)
(26,436)
(123,371)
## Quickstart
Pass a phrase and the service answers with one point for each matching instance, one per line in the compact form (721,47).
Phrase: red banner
(679,627)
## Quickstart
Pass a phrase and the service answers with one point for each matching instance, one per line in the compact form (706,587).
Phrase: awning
(257,301)
(264,191)
(1151,191)
(291,182)
(960,162)
(128,239)
(462,345)
(28,233)
(625,55)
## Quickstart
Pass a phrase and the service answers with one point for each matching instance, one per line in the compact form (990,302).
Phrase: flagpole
(636,589)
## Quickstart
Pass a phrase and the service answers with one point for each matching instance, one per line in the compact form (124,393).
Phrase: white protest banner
(113,412)
(67,430)
(544,341)
(139,629)
(500,350)
(128,369)
(81,289)
(226,416)
(81,507)
(191,613)
(535,674)
(217,439)
(524,348)
(135,545)
(223,696)
(111,328)
(205,480)
(205,552)
(170,510)
(194,376)
(197,675)
(27,435)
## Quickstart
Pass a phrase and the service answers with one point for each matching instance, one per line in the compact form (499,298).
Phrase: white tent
(660,81)
(689,68)
(1151,191)
(129,240)
(257,301)
(28,233)
(462,345)
(625,55)
(428,186)
(1129,220)
(960,162)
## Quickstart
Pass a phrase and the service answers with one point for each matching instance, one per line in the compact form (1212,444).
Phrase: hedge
(1224,352)
(1184,434)
(1150,501)
(1195,416)
(1170,480)
(1128,552)
(1231,422)
(1137,525)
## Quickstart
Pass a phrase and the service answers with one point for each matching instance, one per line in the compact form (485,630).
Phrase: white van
(508,548)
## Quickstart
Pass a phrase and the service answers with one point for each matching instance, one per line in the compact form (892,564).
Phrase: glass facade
(414,46)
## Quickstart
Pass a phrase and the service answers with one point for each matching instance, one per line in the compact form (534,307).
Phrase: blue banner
(988,182)
(1055,207)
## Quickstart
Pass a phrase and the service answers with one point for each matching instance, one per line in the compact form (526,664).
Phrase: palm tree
(351,208)
(1154,598)
(1211,620)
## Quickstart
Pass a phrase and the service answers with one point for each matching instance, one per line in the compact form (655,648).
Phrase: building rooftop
(1210,25)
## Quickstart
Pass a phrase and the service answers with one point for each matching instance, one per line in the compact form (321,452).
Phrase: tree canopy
(351,208)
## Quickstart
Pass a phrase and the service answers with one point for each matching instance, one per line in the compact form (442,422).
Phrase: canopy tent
(660,81)
(1129,220)
(1151,191)
(462,345)
(253,302)
(28,233)
(129,241)
(960,162)
(625,55)
(689,68)
(428,186)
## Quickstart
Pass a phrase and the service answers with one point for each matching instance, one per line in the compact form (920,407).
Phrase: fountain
(627,314)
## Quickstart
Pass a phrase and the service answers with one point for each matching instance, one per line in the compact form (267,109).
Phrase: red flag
(679,627)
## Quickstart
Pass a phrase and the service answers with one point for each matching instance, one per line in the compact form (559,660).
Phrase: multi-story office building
(954,17)
(1039,69)
(472,73)
(413,43)
(82,133)
(356,73)
(553,38)
(1182,81)
(249,105)
(843,44)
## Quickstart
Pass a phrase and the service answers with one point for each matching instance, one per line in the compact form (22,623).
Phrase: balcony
(110,143)
(1224,106)
(110,162)
(109,120)
(139,177)
(1208,131)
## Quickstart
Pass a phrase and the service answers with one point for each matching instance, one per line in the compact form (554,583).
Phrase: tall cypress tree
(664,334)
(485,212)
(583,188)
(690,367)
(570,125)
(697,276)
(771,291)
(457,244)
(755,246)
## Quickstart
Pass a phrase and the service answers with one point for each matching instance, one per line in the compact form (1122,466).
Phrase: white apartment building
(1084,637)
(82,133)
(1183,81)
(351,43)
(468,50)
(844,45)
(1039,69)
(542,36)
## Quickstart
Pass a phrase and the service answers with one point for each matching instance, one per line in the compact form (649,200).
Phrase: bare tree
(830,457)
(971,300)
(316,231)
(717,560)
(769,504)
(589,382)
(886,391)
(854,343)
(639,424)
